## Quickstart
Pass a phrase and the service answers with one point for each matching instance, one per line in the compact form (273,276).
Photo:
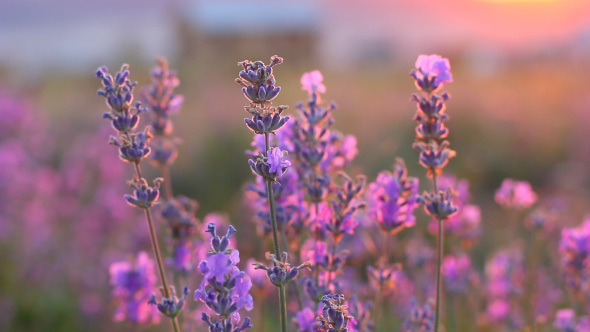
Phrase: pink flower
(515,194)
(312,82)
(435,66)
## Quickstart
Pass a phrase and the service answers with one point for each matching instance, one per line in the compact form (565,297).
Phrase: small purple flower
(144,196)
(281,272)
(433,69)
(270,167)
(438,205)
(515,194)
(257,80)
(172,306)
(276,161)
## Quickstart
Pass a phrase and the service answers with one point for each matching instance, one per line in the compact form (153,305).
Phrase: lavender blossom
(132,285)
(271,166)
(312,82)
(144,196)
(172,306)
(160,98)
(281,272)
(224,288)
(574,249)
(335,316)
(515,194)
(432,71)
(421,318)
(394,199)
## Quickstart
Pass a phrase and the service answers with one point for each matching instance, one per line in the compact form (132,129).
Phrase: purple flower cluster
(421,318)
(574,249)
(224,288)
(393,196)
(565,321)
(132,285)
(335,316)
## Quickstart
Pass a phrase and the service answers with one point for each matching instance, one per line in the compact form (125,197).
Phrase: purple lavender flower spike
(574,249)
(421,318)
(224,288)
(132,285)
(515,194)
(393,197)
(160,98)
(565,321)
(335,316)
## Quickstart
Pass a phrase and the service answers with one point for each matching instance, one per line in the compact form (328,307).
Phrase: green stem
(275,237)
(439,256)
(156,249)
(165,170)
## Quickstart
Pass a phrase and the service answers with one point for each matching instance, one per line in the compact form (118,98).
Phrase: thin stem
(295,284)
(275,237)
(381,264)
(439,256)
(156,249)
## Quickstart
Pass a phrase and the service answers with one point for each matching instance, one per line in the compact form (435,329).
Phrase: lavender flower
(394,199)
(271,166)
(515,194)
(144,196)
(421,318)
(281,272)
(257,80)
(574,249)
(132,285)
(438,206)
(172,306)
(163,102)
(335,316)
(432,71)
(565,321)
(224,288)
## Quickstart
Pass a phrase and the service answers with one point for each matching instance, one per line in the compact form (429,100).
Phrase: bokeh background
(520,108)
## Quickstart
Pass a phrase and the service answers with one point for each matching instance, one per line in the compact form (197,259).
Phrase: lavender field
(310,166)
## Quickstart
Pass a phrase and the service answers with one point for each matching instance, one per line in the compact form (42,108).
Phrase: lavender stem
(156,249)
(275,236)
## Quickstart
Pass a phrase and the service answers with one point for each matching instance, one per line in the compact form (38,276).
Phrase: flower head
(434,67)
(312,82)
(515,194)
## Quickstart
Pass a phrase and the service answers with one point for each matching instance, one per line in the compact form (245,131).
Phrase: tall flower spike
(431,72)
(224,288)
(160,98)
